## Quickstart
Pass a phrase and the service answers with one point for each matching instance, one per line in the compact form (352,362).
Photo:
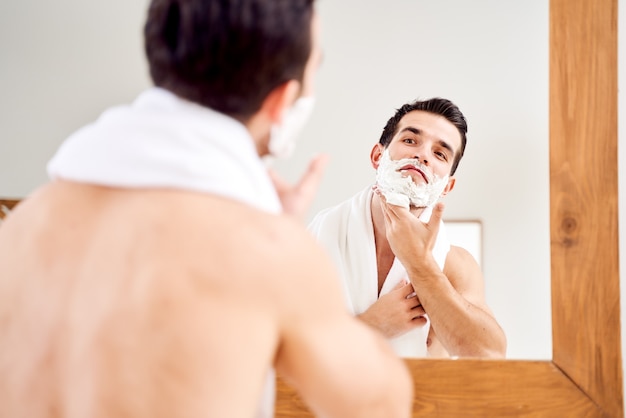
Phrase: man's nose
(422,159)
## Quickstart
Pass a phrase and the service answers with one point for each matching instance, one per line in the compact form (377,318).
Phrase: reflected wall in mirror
(490,58)
(467,234)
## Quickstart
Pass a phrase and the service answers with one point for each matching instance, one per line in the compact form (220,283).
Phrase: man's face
(425,136)
(413,170)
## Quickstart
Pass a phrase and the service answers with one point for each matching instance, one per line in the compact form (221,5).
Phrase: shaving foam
(400,190)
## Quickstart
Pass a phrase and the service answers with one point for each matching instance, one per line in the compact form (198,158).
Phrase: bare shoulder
(460,255)
(228,247)
(463,271)
(275,249)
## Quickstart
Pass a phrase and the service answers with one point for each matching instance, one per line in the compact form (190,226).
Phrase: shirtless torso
(166,303)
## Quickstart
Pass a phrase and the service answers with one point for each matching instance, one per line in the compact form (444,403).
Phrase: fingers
(418,312)
(305,190)
(418,309)
(435,217)
(297,198)
(308,183)
(406,290)
(312,177)
(278,181)
(419,321)
(401,284)
(390,212)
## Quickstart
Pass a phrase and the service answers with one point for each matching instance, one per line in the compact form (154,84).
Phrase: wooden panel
(6,205)
(478,388)
(584,379)
(583,199)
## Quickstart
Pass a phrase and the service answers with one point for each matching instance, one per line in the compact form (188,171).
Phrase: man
(428,300)
(155,276)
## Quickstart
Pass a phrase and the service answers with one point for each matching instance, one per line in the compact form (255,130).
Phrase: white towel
(162,141)
(347,232)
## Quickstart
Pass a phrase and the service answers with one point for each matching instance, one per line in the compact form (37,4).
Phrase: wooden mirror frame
(6,205)
(584,378)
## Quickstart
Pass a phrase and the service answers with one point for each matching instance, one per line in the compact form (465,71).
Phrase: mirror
(490,58)
(584,377)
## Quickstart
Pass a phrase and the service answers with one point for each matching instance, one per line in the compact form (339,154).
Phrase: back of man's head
(227,54)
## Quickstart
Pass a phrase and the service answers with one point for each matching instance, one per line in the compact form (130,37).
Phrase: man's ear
(376,154)
(449,186)
(279,100)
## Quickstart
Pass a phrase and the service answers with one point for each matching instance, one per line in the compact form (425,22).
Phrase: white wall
(62,63)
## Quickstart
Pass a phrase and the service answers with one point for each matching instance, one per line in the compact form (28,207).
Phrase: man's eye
(409,140)
(441,155)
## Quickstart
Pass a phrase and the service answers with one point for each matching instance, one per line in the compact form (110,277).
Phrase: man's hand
(411,240)
(396,312)
(296,199)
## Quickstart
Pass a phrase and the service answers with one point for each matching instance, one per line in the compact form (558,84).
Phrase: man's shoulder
(213,213)
(460,255)
(461,268)
(250,243)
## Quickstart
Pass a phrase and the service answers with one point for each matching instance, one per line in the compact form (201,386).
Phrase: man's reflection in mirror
(400,274)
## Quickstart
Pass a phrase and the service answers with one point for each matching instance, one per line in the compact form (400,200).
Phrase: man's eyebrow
(441,142)
(412,129)
(447,146)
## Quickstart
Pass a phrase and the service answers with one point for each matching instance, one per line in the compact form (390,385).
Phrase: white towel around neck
(162,141)
(347,233)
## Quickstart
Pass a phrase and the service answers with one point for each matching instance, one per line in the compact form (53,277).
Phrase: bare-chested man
(155,275)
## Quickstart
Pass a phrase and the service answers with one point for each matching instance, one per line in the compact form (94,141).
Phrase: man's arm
(482,336)
(459,316)
(339,365)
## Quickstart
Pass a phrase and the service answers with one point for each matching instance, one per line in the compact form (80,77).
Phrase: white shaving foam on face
(400,190)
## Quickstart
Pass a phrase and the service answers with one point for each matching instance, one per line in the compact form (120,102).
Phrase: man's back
(164,303)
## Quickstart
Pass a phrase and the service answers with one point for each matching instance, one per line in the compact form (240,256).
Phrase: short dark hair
(227,54)
(438,106)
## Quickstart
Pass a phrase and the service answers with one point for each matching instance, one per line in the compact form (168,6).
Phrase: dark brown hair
(438,106)
(227,54)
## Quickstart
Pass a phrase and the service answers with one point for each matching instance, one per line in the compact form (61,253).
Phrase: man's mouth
(411,167)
